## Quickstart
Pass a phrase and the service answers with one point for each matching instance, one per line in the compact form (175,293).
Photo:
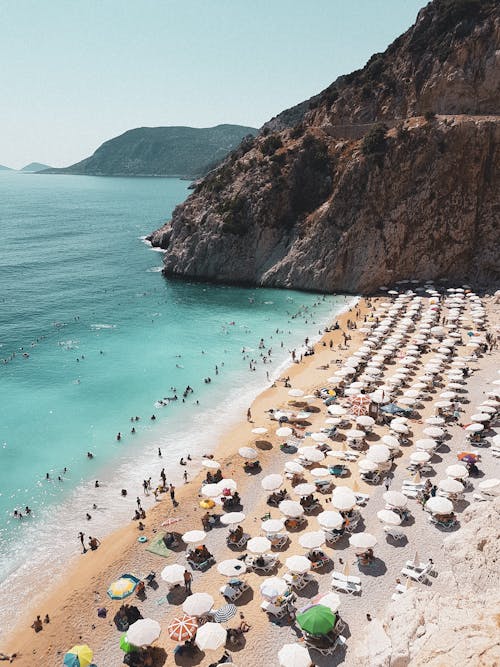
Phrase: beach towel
(157,546)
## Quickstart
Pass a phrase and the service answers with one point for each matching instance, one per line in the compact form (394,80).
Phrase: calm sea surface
(107,336)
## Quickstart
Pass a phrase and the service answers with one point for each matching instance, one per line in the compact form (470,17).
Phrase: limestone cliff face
(337,203)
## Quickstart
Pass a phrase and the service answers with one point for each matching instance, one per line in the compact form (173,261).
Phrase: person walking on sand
(163,477)
(172,494)
(82,537)
(185,477)
(249,415)
(188,578)
(159,452)
(138,501)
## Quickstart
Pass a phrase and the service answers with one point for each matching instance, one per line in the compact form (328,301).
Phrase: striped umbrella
(182,629)
(225,613)
(78,656)
(123,587)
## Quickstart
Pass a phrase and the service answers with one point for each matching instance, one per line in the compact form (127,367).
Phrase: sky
(74,73)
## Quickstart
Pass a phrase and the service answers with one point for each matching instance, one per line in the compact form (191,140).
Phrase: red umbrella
(182,628)
(360,399)
(171,521)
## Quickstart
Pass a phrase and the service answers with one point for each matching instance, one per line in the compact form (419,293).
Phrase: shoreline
(123,538)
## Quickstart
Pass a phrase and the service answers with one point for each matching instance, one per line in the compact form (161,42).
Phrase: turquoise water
(107,336)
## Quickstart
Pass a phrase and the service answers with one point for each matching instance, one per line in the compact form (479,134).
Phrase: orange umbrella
(182,628)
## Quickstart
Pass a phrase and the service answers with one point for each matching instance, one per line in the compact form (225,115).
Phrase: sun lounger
(308,509)
(348,584)
(416,575)
(279,541)
(231,594)
(271,561)
(240,544)
(394,532)
(445,525)
(362,498)
(274,610)
(298,581)
(421,567)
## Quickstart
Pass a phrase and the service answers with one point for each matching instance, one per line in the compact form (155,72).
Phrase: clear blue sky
(74,73)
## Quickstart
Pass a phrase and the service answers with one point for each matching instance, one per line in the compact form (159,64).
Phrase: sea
(92,335)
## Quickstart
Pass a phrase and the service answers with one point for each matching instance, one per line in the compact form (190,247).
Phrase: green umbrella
(125,646)
(317,620)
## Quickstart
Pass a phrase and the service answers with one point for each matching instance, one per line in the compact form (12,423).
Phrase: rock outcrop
(457,620)
(339,202)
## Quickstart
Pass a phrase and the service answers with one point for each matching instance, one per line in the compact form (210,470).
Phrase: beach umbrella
(485,409)
(330,520)
(272,482)
(304,489)
(284,432)
(312,540)
(407,401)
(173,574)
(447,395)
(231,567)
(317,620)
(248,453)
(419,457)
(492,402)
(291,508)
(232,518)
(395,499)
(293,466)
(366,465)
(330,600)
(320,472)
(294,655)
(273,587)
(210,463)
(210,637)
(435,421)
(197,604)
(378,453)
(457,471)
(125,646)
(319,437)
(259,545)
(450,485)
(439,505)
(481,417)
(298,564)
(398,427)
(183,628)
(474,428)
(365,421)
(389,517)
(143,632)
(390,441)
(225,613)
(194,536)
(296,393)
(227,484)
(273,525)
(363,540)
(343,498)
(123,587)
(211,490)
(311,454)
(354,434)
(79,656)
(491,485)
(259,430)
(433,432)
(468,457)
(426,444)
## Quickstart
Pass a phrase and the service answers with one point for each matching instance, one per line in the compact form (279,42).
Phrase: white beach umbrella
(337,410)
(329,520)
(296,393)
(298,564)
(211,490)
(320,472)
(305,489)
(395,499)
(291,508)
(210,463)
(284,432)
(481,417)
(259,545)
(271,482)
(143,632)
(273,525)
(434,432)
(248,453)
(354,434)
(210,637)
(232,567)
(398,427)
(227,483)
(493,403)
(232,518)
(293,466)
(390,441)
(447,395)
(491,485)
(273,587)
(366,465)
(378,453)
(173,574)
(411,393)
(457,471)
(312,540)
(319,437)
(197,604)
(330,600)
(449,485)
(343,498)
(474,428)
(439,505)
(363,540)
(294,655)
(194,537)
(389,517)
(405,400)
(311,454)
(419,457)
(488,409)
(365,421)
(259,430)
(426,444)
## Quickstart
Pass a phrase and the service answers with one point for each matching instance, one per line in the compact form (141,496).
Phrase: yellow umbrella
(79,656)
(123,587)
(207,504)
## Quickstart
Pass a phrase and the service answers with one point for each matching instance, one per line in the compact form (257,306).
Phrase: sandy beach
(72,602)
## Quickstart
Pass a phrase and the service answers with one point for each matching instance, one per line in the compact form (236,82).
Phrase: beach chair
(362,498)
(348,584)
(297,581)
(279,541)
(270,563)
(273,609)
(240,544)
(416,575)
(394,532)
(331,538)
(230,594)
(337,470)
(445,525)
(312,507)
(323,486)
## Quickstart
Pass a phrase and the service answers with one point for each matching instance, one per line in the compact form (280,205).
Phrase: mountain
(35,166)
(161,151)
(390,173)
(4,168)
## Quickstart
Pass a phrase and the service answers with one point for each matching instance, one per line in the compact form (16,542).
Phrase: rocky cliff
(390,173)
(457,620)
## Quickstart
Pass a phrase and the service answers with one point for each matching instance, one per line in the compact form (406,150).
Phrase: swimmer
(153,417)
(118,436)
(96,485)
(90,455)
(133,430)
(88,517)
